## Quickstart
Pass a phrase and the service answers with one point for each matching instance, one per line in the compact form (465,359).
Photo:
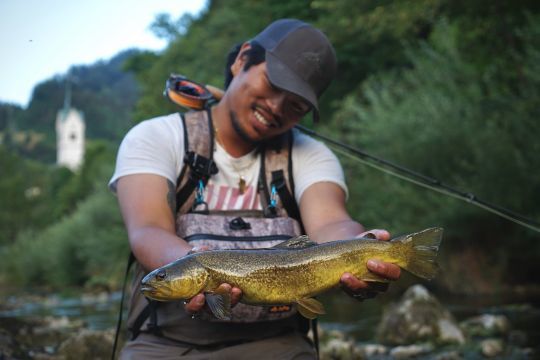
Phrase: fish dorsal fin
(297,243)
(310,308)
(219,303)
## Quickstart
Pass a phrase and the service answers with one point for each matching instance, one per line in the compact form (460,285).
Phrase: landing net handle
(189,94)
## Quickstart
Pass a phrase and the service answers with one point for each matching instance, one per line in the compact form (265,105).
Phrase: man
(273,82)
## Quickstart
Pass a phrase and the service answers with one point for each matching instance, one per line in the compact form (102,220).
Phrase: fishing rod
(421,180)
(192,95)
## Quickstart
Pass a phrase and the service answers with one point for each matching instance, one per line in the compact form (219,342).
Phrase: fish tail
(424,246)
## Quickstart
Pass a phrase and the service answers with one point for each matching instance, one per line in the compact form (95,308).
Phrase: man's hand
(362,290)
(196,303)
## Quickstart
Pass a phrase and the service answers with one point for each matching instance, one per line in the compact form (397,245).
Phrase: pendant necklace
(242,182)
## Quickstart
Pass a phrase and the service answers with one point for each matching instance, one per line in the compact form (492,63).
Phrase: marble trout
(292,272)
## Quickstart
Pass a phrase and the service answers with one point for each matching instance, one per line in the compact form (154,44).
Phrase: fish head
(180,280)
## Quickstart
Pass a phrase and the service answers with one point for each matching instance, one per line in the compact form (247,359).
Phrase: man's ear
(240,60)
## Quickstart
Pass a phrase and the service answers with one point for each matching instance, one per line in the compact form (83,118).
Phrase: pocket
(224,232)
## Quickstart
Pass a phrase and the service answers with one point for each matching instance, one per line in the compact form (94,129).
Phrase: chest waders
(275,187)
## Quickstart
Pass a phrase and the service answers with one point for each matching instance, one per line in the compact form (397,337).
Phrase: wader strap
(153,326)
(201,170)
(139,321)
(131,260)
(198,157)
(289,203)
(315,331)
(277,172)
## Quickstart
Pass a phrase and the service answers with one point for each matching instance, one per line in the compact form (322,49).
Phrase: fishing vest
(239,229)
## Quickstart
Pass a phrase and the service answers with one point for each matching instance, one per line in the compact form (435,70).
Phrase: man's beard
(239,131)
(244,136)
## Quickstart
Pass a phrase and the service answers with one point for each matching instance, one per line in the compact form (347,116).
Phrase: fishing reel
(190,94)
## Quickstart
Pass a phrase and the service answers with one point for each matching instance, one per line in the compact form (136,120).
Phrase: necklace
(242,181)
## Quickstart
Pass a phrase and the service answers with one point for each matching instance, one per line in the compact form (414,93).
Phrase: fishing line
(422,180)
(187,93)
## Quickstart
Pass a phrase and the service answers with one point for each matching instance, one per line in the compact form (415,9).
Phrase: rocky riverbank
(417,326)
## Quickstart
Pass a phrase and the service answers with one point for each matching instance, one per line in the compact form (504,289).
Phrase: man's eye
(299,108)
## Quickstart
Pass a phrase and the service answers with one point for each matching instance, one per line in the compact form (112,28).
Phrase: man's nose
(277,102)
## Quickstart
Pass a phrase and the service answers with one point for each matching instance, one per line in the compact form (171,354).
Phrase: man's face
(260,111)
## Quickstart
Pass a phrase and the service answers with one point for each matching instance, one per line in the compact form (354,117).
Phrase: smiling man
(257,180)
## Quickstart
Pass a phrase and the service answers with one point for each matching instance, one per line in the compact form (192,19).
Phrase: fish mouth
(147,289)
(154,293)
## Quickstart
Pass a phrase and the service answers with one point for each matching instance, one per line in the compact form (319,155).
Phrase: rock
(449,332)
(7,345)
(409,351)
(418,317)
(370,350)
(486,325)
(87,345)
(449,355)
(517,338)
(338,349)
(491,347)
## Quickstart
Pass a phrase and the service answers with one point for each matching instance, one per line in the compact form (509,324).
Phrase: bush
(88,247)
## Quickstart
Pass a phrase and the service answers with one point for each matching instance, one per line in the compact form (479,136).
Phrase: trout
(292,272)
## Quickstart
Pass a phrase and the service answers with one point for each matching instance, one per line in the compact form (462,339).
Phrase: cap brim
(284,78)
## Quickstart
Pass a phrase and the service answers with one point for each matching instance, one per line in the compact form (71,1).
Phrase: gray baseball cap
(299,59)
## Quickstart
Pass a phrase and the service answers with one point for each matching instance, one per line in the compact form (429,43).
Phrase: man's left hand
(362,290)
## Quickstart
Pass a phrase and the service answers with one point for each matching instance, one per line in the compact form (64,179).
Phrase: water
(358,320)
(97,312)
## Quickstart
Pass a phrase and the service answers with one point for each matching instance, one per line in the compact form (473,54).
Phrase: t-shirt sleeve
(314,162)
(153,146)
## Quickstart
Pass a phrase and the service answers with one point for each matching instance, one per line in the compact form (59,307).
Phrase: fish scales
(284,275)
(267,275)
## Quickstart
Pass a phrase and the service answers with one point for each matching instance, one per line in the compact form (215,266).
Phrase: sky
(43,38)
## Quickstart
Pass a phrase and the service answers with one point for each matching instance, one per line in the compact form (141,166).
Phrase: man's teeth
(261,119)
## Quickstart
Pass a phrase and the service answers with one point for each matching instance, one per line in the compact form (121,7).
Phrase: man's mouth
(263,120)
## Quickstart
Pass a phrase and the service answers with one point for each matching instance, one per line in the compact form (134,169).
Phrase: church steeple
(67,93)
(70,129)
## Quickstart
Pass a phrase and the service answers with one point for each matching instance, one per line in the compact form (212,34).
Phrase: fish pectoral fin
(373,277)
(310,308)
(297,243)
(219,303)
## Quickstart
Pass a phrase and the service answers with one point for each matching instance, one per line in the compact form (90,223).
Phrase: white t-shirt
(156,146)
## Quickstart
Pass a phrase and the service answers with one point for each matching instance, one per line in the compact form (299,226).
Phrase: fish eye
(161,275)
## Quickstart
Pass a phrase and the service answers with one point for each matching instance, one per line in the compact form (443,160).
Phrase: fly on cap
(299,59)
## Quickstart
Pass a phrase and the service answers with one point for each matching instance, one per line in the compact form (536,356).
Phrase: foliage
(104,92)
(84,248)
(447,88)
(475,130)
(34,194)
(24,195)
(97,168)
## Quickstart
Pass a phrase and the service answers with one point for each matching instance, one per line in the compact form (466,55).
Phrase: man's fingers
(361,290)
(386,270)
(378,234)
(197,248)
(236,294)
(353,283)
(195,304)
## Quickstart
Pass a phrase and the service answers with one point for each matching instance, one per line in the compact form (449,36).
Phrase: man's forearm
(154,247)
(346,229)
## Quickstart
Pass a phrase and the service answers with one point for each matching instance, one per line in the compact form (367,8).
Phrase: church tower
(70,130)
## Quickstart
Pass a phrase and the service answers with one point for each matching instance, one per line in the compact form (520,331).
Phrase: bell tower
(70,129)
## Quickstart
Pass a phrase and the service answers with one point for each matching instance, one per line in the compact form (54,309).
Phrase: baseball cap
(299,59)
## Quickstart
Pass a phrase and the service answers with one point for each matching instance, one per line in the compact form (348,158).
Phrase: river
(357,320)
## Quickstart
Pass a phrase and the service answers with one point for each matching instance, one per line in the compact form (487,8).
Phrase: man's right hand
(196,303)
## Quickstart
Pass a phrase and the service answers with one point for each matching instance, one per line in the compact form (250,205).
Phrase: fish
(292,272)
